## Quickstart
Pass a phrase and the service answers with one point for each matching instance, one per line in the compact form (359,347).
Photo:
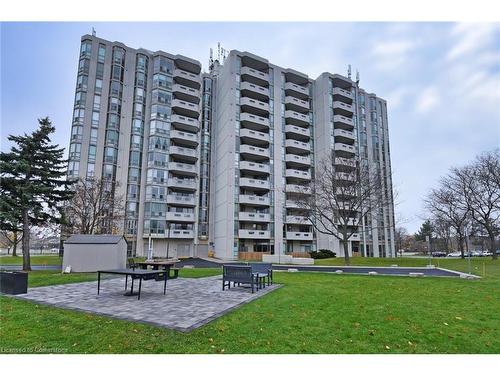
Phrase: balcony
(254,137)
(188,154)
(344,150)
(342,122)
(289,203)
(294,173)
(254,216)
(345,177)
(254,167)
(300,92)
(351,222)
(344,136)
(180,216)
(255,200)
(295,219)
(297,146)
(299,236)
(344,164)
(254,76)
(254,152)
(182,183)
(254,122)
(181,233)
(340,108)
(254,106)
(296,118)
(181,200)
(298,132)
(296,104)
(355,237)
(182,107)
(342,95)
(181,137)
(254,91)
(186,78)
(253,183)
(292,188)
(188,94)
(254,233)
(185,123)
(294,160)
(183,168)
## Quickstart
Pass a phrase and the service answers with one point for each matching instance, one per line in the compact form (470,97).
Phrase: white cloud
(471,37)
(428,99)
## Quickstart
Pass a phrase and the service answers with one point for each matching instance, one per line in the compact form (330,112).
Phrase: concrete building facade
(211,161)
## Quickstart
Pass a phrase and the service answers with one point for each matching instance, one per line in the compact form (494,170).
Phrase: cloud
(470,37)
(428,99)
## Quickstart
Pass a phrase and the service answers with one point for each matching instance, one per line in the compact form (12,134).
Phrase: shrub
(322,254)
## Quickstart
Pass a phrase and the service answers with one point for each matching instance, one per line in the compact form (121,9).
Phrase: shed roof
(94,239)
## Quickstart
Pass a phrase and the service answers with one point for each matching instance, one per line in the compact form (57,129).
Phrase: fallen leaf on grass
(410,343)
(387,347)
(458,318)
(445,323)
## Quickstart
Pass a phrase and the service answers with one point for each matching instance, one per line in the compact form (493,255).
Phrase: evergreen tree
(32,182)
(426,229)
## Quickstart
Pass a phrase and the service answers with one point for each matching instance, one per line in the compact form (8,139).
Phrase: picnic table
(135,274)
(157,264)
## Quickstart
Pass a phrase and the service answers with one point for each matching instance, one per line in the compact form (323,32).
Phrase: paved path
(396,271)
(188,304)
(15,267)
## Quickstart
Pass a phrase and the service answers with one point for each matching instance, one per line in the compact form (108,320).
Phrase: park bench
(239,275)
(263,271)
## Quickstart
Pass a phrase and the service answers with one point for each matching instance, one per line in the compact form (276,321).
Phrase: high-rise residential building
(212,162)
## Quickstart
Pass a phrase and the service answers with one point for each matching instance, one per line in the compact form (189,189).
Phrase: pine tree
(426,229)
(32,182)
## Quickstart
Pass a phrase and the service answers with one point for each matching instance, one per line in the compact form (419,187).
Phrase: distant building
(210,161)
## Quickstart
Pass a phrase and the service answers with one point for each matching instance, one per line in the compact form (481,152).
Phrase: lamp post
(168,236)
(467,249)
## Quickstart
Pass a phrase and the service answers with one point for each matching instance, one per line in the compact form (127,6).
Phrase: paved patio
(188,304)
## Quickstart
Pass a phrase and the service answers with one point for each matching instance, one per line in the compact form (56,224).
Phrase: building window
(90,170)
(163,65)
(102,53)
(82,82)
(92,153)
(86,48)
(99,70)
(97,102)
(98,85)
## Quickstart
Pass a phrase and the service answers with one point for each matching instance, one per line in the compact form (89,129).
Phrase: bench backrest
(261,267)
(131,263)
(237,272)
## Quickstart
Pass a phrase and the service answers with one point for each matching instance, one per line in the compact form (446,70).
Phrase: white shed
(90,253)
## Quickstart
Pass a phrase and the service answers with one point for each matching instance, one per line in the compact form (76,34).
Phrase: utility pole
(168,237)
(427,238)
(467,249)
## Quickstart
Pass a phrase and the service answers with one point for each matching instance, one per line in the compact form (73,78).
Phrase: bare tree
(400,234)
(11,239)
(95,208)
(341,195)
(447,205)
(479,183)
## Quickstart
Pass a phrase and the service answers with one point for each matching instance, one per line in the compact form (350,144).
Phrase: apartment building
(213,161)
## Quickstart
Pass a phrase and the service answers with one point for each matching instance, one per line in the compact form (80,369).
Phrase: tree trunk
(14,248)
(346,252)
(492,245)
(461,246)
(26,242)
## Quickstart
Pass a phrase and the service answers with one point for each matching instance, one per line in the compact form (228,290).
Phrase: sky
(441,80)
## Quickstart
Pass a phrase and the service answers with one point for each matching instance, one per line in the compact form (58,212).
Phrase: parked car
(487,253)
(454,255)
(438,254)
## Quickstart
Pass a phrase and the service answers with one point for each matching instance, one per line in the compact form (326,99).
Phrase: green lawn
(480,266)
(38,260)
(311,313)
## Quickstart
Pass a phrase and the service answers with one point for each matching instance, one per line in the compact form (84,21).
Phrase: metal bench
(239,275)
(263,271)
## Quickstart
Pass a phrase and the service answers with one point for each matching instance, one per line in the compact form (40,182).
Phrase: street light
(168,236)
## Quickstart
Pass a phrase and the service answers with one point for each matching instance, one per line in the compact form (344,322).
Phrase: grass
(36,260)
(479,266)
(312,313)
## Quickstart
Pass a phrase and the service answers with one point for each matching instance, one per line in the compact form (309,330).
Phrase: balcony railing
(298,130)
(303,160)
(186,93)
(181,200)
(254,233)
(293,188)
(181,233)
(258,92)
(180,216)
(297,118)
(257,151)
(299,235)
(256,167)
(297,104)
(250,182)
(182,183)
(292,143)
(254,134)
(254,200)
(254,216)
(187,78)
(187,123)
(254,119)
(189,138)
(342,108)
(305,175)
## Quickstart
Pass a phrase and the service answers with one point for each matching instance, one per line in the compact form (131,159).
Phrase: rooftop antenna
(349,71)
(357,77)
(93,32)
(211,60)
